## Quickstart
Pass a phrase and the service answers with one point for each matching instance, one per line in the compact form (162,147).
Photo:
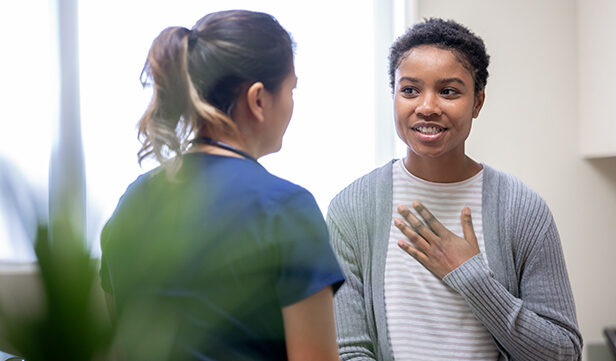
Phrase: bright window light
(28,89)
(330,139)
(329,143)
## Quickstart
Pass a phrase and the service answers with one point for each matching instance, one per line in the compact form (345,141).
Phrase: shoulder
(362,192)
(513,191)
(355,211)
(520,208)
(279,192)
(139,191)
(237,178)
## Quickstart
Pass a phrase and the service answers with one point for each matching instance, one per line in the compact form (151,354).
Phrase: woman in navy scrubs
(223,260)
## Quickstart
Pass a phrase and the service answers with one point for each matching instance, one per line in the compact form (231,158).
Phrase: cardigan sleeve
(352,329)
(541,322)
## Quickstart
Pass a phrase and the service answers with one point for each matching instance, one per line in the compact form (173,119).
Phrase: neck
(228,141)
(445,169)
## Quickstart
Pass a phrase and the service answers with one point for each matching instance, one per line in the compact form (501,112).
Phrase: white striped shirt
(426,319)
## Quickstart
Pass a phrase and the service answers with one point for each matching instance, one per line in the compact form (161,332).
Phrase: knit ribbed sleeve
(539,322)
(354,324)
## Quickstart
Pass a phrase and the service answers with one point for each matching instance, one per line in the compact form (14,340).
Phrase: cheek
(402,111)
(401,125)
(289,111)
(404,106)
(460,114)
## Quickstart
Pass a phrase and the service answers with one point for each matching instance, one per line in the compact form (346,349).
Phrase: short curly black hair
(444,34)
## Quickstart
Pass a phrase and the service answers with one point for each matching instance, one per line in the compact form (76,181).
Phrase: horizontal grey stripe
(451,347)
(436,290)
(437,200)
(447,341)
(449,315)
(423,353)
(414,302)
(440,209)
(410,326)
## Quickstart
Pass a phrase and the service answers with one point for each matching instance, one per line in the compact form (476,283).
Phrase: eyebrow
(411,79)
(441,81)
(452,80)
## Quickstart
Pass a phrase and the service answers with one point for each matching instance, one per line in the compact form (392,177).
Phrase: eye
(449,92)
(409,91)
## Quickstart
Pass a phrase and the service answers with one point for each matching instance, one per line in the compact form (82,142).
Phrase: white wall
(529,127)
(597,67)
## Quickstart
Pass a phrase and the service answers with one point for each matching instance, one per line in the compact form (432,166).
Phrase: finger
(417,225)
(419,242)
(467,226)
(414,252)
(434,224)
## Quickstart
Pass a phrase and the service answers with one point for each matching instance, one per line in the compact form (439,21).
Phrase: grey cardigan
(524,298)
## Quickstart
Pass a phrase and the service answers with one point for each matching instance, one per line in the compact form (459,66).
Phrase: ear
(479,99)
(255,97)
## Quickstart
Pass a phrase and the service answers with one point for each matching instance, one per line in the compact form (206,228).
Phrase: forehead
(432,61)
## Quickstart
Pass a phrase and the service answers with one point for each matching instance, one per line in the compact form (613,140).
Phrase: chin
(272,150)
(425,153)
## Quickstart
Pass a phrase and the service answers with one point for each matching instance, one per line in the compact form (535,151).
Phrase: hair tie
(193,36)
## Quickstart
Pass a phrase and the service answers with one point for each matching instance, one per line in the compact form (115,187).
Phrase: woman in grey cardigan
(424,280)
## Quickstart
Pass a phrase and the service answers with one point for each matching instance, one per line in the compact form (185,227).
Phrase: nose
(428,106)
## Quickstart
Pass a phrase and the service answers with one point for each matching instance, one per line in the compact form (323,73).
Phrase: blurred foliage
(72,323)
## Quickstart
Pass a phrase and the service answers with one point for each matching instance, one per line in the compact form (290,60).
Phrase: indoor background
(548,117)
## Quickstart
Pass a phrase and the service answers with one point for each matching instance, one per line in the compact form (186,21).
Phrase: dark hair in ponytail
(198,75)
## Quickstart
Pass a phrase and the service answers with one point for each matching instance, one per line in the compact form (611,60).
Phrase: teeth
(429,130)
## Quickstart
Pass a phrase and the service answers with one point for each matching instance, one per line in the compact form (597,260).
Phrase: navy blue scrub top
(210,257)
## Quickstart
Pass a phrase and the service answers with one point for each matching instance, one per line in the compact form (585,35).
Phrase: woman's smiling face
(434,102)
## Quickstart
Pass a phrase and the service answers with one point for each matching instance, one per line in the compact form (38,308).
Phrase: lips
(428,129)
(428,132)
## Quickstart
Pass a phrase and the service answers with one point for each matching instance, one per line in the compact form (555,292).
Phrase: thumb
(467,226)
